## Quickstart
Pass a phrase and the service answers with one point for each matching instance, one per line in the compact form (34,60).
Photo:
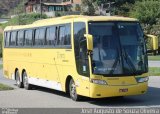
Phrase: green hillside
(8,7)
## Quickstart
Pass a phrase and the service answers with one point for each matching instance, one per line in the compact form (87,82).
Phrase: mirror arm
(89,52)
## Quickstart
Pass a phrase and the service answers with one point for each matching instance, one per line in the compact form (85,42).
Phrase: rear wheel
(72,91)
(18,81)
(25,81)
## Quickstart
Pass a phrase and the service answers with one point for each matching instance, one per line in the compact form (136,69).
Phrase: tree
(156,28)
(147,11)
(92,7)
(119,7)
(87,7)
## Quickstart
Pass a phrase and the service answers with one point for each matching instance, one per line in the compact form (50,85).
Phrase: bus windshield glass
(119,48)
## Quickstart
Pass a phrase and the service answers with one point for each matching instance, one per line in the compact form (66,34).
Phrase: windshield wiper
(115,64)
(130,63)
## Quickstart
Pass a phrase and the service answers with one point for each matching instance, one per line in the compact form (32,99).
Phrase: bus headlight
(97,81)
(142,79)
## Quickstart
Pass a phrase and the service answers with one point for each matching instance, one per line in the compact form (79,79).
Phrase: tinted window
(67,40)
(61,35)
(7,37)
(40,36)
(20,38)
(28,37)
(13,38)
(80,47)
(79,31)
(65,35)
(51,36)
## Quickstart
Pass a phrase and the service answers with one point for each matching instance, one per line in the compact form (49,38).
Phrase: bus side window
(13,38)
(7,37)
(28,38)
(67,38)
(20,38)
(39,37)
(51,36)
(65,35)
(36,37)
(61,35)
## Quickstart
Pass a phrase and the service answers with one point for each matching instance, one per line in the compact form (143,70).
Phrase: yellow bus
(152,44)
(92,56)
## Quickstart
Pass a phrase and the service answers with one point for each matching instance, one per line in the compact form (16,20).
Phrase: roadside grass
(154,71)
(2,86)
(5,87)
(1,66)
(154,58)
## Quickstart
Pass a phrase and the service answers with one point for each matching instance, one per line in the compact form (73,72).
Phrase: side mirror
(89,39)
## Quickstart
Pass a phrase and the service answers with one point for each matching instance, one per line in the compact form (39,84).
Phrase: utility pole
(62,5)
(41,8)
(109,7)
(24,8)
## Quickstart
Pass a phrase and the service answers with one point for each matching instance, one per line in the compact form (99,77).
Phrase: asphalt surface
(47,98)
(154,63)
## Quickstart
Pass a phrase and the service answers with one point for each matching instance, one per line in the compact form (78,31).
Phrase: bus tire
(18,82)
(27,86)
(72,91)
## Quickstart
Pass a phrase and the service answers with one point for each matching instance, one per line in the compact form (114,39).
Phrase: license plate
(123,90)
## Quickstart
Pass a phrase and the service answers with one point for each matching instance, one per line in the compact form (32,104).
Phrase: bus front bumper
(102,91)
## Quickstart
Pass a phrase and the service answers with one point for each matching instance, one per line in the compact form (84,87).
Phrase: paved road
(3,20)
(154,63)
(46,98)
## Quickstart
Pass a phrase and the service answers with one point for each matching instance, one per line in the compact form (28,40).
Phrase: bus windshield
(119,48)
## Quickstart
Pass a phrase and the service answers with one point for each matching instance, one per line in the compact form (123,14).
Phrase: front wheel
(27,86)
(72,91)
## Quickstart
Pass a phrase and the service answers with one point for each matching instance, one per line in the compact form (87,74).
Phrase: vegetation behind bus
(19,20)
(1,37)
(5,87)
(24,19)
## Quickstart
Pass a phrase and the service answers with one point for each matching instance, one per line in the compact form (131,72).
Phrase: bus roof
(70,18)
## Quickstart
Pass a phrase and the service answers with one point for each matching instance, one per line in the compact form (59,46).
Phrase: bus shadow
(151,98)
(51,91)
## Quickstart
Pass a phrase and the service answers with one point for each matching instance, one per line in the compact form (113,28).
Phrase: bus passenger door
(83,66)
(81,58)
